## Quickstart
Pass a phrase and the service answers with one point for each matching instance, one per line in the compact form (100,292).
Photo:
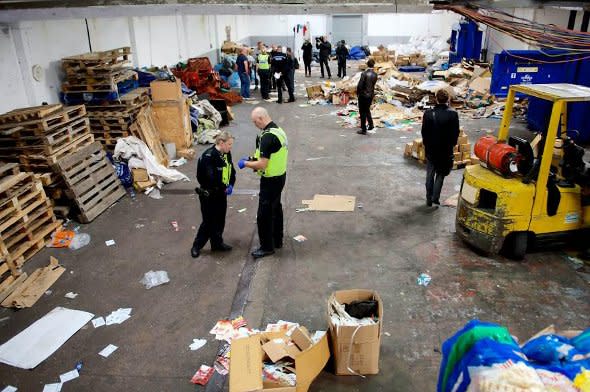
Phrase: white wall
(282,25)
(407,25)
(13,88)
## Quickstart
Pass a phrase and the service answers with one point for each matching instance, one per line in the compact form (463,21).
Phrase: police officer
(264,72)
(270,161)
(281,68)
(216,176)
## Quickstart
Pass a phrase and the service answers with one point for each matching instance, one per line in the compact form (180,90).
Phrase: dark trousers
(264,75)
(341,68)
(273,81)
(270,212)
(324,62)
(307,63)
(285,80)
(254,75)
(365,112)
(434,183)
(244,85)
(213,209)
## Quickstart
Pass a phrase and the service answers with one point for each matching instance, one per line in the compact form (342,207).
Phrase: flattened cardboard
(354,347)
(301,338)
(245,374)
(165,90)
(29,292)
(173,122)
(336,203)
(278,349)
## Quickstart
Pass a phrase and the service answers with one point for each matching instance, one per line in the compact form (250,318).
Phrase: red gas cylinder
(500,157)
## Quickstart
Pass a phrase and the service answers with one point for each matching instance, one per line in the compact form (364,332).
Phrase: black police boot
(258,253)
(223,247)
(195,252)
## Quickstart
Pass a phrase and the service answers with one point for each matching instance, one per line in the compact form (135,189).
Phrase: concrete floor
(383,246)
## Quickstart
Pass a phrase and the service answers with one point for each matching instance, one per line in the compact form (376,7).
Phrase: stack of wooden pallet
(26,220)
(97,71)
(38,137)
(112,119)
(91,181)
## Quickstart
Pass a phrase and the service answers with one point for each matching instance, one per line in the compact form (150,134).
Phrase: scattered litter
(42,338)
(316,158)
(98,322)
(359,205)
(71,295)
(48,292)
(10,388)
(110,242)
(118,316)
(154,193)
(423,279)
(139,225)
(451,201)
(108,350)
(79,365)
(202,375)
(221,365)
(387,334)
(299,238)
(242,210)
(231,329)
(61,239)
(372,131)
(251,192)
(174,225)
(303,105)
(52,387)
(197,344)
(177,162)
(72,374)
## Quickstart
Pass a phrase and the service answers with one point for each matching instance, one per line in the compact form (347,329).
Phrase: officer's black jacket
(210,167)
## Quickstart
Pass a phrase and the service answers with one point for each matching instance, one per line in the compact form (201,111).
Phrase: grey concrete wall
(283,40)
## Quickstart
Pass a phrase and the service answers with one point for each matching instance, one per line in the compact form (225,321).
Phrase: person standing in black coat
(216,176)
(440,131)
(307,49)
(341,54)
(365,92)
(325,49)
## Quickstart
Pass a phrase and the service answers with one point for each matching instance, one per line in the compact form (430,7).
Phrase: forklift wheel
(515,245)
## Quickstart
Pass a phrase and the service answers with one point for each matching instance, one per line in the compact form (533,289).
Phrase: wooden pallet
(29,114)
(96,62)
(51,143)
(98,86)
(36,162)
(136,98)
(91,181)
(112,77)
(145,129)
(48,123)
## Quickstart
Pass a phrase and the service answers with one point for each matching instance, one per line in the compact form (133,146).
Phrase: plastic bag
(80,240)
(154,278)
(61,239)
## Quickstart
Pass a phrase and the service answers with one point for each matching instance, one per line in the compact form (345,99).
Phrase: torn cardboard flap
(301,338)
(278,349)
(335,203)
(29,292)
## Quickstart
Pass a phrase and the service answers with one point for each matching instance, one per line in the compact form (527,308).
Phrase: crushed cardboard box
(335,203)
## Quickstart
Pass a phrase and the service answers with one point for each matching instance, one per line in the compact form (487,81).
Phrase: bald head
(260,117)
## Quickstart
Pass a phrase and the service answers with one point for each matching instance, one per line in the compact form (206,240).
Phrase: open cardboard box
(356,348)
(248,355)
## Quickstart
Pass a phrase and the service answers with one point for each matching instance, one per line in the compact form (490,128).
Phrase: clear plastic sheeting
(154,278)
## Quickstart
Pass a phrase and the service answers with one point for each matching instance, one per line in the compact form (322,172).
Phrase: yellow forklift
(516,197)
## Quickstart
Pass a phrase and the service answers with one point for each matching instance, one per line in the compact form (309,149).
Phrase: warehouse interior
(108,107)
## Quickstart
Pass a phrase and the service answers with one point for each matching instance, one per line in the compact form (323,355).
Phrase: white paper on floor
(109,242)
(52,387)
(72,374)
(10,388)
(42,338)
(197,344)
(118,316)
(108,350)
(71,295)
(98,322)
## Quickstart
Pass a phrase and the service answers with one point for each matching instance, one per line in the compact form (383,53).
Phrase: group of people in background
(274,67)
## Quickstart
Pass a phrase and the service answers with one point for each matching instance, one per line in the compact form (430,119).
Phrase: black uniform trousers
(213,210)
(365,112)
(264,75)
(270,212)
(286,79)
(341,68)
(307,63)
(324,62)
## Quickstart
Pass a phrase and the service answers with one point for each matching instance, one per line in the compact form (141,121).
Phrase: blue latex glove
(242,163)
(229,190)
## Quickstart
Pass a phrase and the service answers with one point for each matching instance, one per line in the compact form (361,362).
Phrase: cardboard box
(355,347)
(465,147)
(165,90)
(314,92)
(457,156)
(474,160)
(173,122)
(408,149)
(462,140)
(466,155)
(248,354)
(140,175)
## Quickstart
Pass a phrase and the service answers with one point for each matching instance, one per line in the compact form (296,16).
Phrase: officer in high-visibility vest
(263,61)
(216,176)
(270,162)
